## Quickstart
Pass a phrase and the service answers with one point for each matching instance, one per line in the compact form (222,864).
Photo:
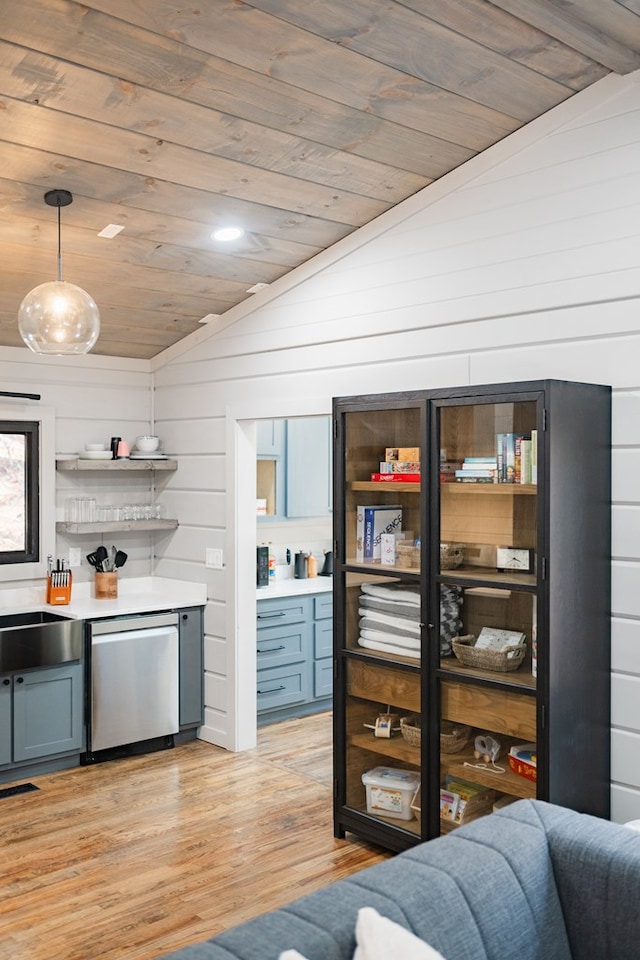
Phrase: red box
(522,760)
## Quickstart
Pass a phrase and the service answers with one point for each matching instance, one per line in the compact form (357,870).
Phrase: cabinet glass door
(487,592)
(382,610)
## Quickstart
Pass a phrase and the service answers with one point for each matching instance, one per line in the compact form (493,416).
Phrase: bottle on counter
(272,566)
(312,566)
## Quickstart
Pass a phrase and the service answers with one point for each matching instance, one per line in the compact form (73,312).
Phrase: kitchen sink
(38,639)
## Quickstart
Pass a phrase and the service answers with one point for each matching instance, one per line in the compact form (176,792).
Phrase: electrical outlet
(214,559)
(75,556)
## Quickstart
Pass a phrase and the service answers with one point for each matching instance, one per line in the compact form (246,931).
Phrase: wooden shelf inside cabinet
(521,678)
(507,782)
(383,569)
(116,526)
(395,487)
(117,466)
(396,748)
(504,580)
(488,489)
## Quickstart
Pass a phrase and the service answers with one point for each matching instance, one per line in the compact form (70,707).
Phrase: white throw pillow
(379,938)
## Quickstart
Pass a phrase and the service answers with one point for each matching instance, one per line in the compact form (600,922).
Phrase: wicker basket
(408,554)
(453,736)
(410,729)
(451,555)
(503,661)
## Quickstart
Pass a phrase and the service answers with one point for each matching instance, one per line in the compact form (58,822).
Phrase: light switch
(214,559)
(75,556)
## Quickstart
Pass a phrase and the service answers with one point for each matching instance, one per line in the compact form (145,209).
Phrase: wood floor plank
(131,859)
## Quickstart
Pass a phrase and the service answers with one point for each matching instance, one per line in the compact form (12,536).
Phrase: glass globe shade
(59,318)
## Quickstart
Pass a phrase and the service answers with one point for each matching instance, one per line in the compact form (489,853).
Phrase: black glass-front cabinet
(471,605)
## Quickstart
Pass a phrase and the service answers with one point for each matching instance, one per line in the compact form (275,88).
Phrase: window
(19,492)
(27,492)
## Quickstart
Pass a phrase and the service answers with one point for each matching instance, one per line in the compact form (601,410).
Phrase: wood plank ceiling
(299,120)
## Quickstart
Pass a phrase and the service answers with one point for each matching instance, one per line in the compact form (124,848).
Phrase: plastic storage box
(389,791)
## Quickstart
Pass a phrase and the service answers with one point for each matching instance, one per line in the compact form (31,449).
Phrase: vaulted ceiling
(298,120)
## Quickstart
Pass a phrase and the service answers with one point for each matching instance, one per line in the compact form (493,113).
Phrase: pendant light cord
(59,250)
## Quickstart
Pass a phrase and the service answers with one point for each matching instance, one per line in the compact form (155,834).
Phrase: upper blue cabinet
(294,467)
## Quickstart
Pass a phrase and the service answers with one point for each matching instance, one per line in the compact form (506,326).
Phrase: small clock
(514,558)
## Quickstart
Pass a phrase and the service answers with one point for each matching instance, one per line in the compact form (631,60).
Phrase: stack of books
(478,470)
(517,457)
(400,464)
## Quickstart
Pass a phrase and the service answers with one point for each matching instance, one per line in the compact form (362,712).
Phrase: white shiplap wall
(93,398)
(523,264)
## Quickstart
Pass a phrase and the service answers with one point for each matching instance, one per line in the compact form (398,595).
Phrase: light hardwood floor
(133,858)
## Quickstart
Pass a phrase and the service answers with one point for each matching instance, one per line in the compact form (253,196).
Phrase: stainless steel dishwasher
(134,677)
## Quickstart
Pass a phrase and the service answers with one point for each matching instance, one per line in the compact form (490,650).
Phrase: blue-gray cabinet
(191,664)
(294,639)
(308,467)
(294,466)
(41,713)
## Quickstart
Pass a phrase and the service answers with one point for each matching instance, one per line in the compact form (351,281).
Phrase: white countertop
(295,588)
(135,595)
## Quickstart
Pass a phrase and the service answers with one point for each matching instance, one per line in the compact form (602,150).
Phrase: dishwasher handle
(141,622)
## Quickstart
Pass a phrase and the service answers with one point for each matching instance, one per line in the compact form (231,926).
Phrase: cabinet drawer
(281,610)
(323,606)
(323,639)
(501,711)
(323,678)
(278,646)
(282,686)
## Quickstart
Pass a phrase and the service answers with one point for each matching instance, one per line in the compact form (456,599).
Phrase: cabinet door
(270,438)
(487,594)
(379,629)
(48,712)
(309,467)
(5,720)
(191,632)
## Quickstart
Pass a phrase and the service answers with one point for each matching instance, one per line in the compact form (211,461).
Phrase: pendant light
(59,318)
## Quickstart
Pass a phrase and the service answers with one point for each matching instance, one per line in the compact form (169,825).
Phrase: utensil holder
(59,595)
(107,585)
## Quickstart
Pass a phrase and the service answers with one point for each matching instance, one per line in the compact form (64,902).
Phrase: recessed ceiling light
(111,230)
(224,234)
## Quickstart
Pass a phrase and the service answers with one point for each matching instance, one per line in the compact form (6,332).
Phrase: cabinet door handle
(6,681)
(20,680)
(271,616)
(271,649)
(275,689)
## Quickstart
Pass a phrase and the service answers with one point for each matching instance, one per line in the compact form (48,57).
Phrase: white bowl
(95,446)
(147,444)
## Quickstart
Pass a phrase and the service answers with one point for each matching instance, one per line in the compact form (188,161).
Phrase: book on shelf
(399,466)
(475,472)
(534,456)
(371,522)
(449,804)
(395,477)
(492,638)
(402,453)
(466,478)
(509,457)
(470,795)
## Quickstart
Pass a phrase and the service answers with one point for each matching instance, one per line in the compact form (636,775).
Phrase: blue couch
(532,882)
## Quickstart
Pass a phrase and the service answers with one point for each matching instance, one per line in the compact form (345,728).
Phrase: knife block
(59,596)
